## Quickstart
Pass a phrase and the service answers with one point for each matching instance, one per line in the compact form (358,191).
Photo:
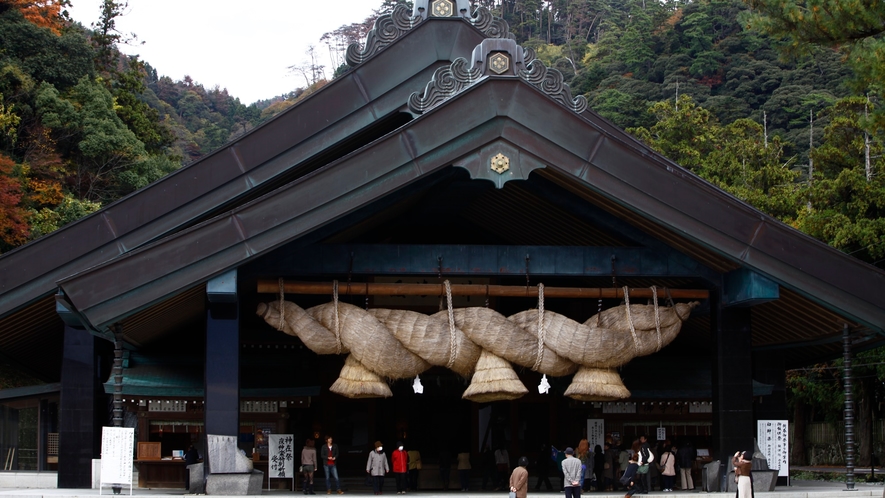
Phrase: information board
(280,456)
(773,437)
(117,444)
(595,432)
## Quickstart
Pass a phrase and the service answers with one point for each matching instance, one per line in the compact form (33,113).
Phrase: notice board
(117,444)
(281,456)
(773,437)
(595,432)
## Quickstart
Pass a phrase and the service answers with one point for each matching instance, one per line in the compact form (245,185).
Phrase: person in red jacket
(400,460)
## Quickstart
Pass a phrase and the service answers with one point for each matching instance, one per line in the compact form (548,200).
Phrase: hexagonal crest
(500,163)
(499,63)
(442,8)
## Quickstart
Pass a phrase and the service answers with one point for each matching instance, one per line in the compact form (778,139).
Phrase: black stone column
(768,368)
(733,425)
(222,408)
(79,432)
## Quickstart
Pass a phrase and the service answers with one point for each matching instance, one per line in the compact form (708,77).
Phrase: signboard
(280,457)
(773,437)
(662,434)
(595,432)
(117,445)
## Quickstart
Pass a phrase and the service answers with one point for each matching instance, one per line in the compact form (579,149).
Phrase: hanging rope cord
(630,319)
(453,340)
(542,331)
(282,308)
(336,319)
(654,293)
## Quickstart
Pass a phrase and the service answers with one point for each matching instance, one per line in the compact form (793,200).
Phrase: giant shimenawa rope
(396,344)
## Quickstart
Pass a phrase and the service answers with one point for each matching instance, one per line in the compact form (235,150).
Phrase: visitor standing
(329,456)
(308,465)
(545,462)
(667,461)
(571,471)
(414,467)
(598,468)
(519,479)
(583,454)
(646,457)
(376,466)
(400,461)
(743,463)
(609,465)
(686,457)
(502,465)
(464,470)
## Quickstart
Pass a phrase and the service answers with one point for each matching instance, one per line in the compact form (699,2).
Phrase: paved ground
(798,489)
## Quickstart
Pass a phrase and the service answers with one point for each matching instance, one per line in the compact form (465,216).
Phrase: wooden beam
(385,289)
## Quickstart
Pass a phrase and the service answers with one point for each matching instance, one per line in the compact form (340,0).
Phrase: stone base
(196,479)
(235,484)
(710,477)
(763,481)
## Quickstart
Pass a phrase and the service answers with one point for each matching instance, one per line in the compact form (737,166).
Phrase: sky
(245,47)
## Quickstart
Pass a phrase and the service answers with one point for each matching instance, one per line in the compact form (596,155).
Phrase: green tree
(855,28)
(847,209)
(100,146)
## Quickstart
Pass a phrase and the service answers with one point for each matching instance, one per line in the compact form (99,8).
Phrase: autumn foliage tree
(49,14)
(13,218)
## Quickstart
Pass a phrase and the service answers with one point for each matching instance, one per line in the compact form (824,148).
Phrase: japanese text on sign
(595,432)
(281,455)
(116,455)
(773,437)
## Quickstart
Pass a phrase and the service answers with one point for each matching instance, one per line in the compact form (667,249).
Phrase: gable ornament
(391,26)
(500,163)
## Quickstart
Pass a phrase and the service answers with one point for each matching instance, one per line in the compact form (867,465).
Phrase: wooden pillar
(79,431)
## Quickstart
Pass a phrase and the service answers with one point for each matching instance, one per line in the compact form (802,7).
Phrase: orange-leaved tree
(44,13)
(14,228)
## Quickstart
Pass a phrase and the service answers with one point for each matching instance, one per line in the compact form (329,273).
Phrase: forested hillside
(767,104)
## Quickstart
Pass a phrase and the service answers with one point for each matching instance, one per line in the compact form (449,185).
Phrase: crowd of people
(634,469)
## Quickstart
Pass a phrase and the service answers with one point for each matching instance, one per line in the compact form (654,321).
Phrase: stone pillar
(733,423)
(222,374)
(768,368)
(79,432)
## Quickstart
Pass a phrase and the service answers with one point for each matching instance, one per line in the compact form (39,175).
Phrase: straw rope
(337,317)
(282,308)
(453,343)
(542,333)
(654,294)
(630,319)
(394,344)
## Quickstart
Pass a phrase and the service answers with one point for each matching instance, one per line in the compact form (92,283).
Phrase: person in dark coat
(631,479)
(545,462)
(598,467)
(685,458)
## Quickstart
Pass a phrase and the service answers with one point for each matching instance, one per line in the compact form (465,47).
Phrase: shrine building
(409,254)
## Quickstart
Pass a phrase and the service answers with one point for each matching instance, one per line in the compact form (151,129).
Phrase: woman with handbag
(519,479)
(668,469)
(308,465)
